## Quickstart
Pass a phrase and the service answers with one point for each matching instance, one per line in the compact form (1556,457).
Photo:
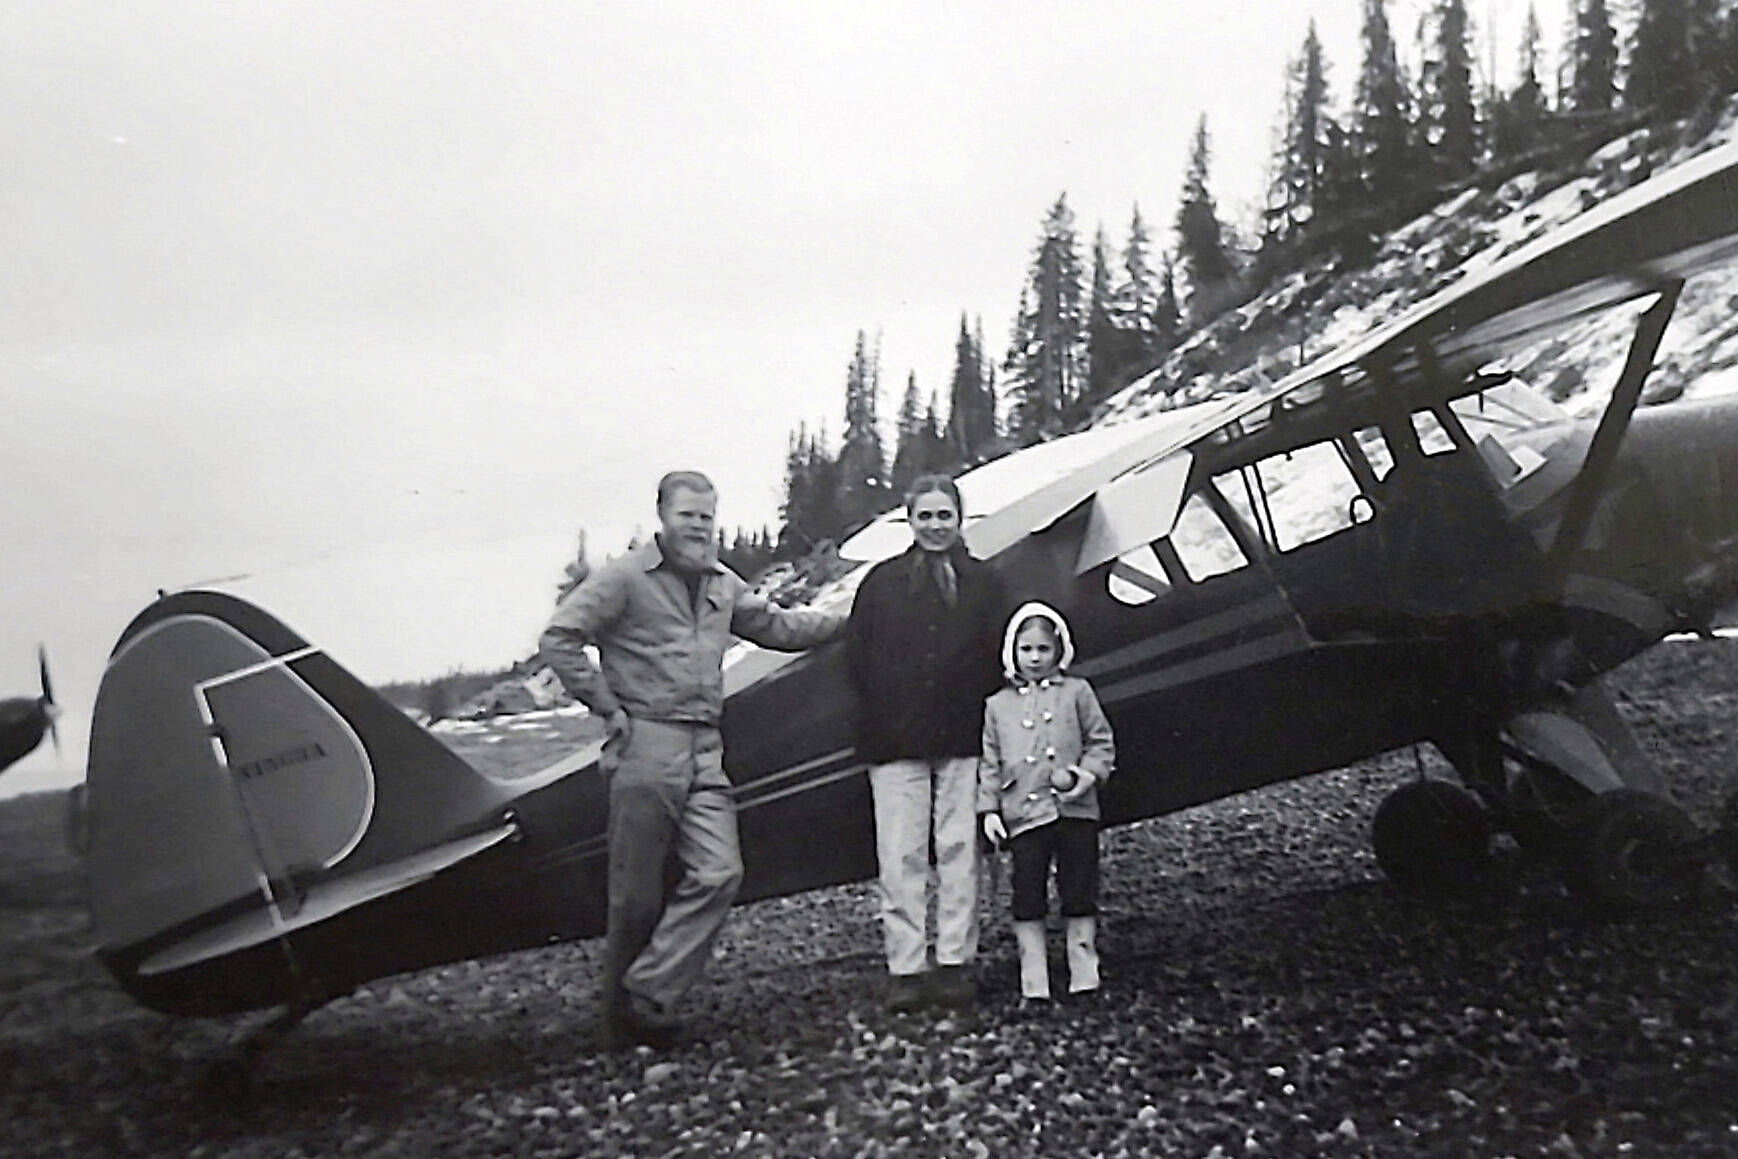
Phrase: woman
(922,643)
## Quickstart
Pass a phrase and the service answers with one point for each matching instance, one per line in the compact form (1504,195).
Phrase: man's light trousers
(668,793)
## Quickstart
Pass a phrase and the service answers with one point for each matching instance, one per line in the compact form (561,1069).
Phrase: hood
(1026,611)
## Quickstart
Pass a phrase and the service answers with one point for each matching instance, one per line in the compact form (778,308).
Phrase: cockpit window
(1203,542)
(1297,497)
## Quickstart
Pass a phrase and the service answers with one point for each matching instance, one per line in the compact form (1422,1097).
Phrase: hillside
(1329,300)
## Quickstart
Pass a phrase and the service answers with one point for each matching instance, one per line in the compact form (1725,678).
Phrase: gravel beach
(1268,994)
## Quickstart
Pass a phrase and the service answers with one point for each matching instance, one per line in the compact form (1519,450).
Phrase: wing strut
(1602,453)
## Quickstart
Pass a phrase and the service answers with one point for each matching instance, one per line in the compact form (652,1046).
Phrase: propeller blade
(42,667)
(50,710)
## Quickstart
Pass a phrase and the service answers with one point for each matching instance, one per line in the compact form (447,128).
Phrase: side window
(1297,497)
(1203,543)
(1137,577)
(1432,439)
(1375,449)
(1311,494)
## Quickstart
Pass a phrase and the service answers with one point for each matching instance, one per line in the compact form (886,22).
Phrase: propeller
(50,710)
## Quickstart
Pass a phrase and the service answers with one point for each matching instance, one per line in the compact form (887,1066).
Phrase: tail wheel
(1632,851)
(1432,836)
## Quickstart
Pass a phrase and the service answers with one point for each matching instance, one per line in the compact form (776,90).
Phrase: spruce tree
(794,511)
(908,457)
(1593,59)
(1276,210)
(1200,238)
(971,423)
(1104,350)
(824,519)
(862,471)
(1046,359)
(1311,139)
(1524,111)
(1312,134)
(1168,313)
(1667,72)
(991,428)
(1448,117)
(1382,131)
(1136,301)
(935,452)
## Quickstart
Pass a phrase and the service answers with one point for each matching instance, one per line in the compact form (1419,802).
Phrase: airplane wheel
(1624,847)
(1541,809)
(1432,836)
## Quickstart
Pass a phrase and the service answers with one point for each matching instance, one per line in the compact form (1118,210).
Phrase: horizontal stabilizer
(319,903)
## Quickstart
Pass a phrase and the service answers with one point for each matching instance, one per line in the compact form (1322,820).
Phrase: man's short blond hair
(685,481)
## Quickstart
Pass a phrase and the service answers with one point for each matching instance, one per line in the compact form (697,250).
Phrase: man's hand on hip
(620,726)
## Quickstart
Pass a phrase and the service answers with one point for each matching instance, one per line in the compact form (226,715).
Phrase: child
(1046,747)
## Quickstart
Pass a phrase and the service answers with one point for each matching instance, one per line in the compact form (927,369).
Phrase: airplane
(268,833)
(25,719)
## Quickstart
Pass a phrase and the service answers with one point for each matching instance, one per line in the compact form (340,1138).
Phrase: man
(661,617)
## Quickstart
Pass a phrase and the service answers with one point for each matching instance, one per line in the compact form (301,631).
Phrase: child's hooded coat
(1032,728)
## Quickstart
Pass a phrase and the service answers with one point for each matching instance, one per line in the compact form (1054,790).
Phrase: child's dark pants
(1073,844)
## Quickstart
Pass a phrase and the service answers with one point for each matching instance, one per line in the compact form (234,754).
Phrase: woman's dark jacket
(922,668)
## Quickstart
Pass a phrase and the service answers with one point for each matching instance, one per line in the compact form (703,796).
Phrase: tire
(1433,837)
(1621,858)
(1540,810)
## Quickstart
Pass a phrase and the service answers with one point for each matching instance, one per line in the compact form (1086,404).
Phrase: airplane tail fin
(232,763)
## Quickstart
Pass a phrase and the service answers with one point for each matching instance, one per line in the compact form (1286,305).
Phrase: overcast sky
(378,305)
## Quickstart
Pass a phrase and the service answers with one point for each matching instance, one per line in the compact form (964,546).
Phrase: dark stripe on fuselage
(1267,615)
(1285,642)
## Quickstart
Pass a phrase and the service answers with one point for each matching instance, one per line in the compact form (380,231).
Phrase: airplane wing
(1029,490)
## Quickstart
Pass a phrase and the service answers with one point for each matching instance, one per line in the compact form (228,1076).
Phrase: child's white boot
(1081,940)
(1034,962)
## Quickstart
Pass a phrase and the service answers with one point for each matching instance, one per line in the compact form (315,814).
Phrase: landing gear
(1631,850)
(226,1079)
(1432,836)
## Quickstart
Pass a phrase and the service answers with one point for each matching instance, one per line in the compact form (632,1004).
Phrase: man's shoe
(905,993)
(652,1014)
(638,1021)
(954,986)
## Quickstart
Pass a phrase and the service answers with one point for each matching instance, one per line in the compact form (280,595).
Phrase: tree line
(1339,178)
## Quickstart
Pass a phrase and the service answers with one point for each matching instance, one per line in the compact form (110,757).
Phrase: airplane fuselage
(23,722)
